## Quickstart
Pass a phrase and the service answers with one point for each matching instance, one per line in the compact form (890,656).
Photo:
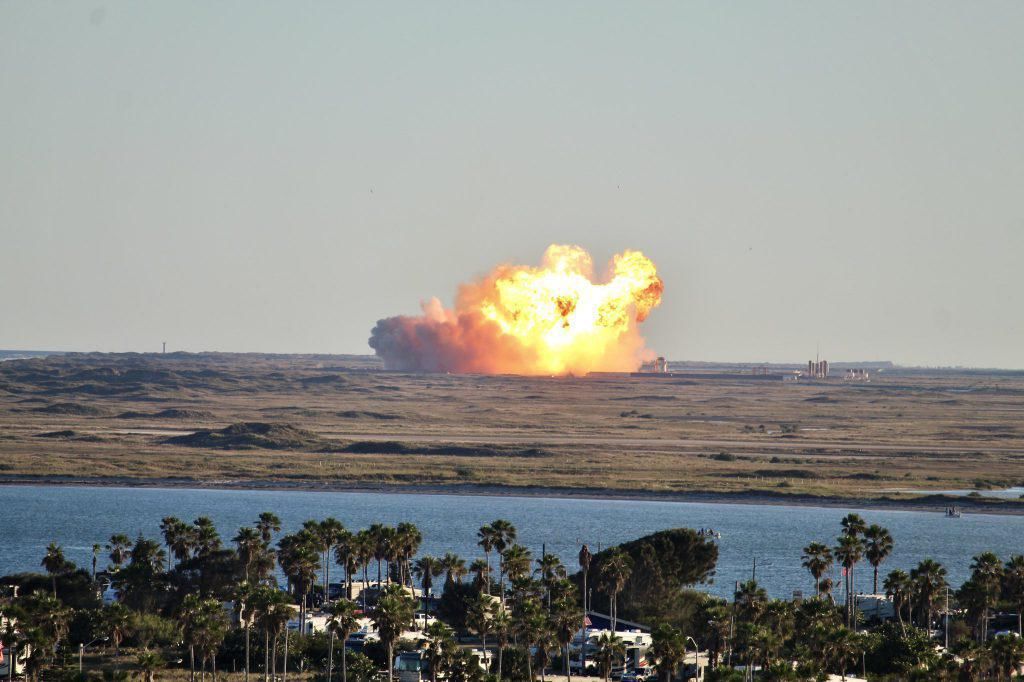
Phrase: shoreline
(934,503)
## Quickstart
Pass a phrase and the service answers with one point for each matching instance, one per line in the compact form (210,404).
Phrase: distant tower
(165,347)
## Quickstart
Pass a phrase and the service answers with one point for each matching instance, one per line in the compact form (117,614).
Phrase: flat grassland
(339,422)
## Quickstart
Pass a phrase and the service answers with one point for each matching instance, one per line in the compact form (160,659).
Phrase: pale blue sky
(278,176)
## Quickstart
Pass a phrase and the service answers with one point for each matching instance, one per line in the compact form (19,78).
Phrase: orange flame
(552,319)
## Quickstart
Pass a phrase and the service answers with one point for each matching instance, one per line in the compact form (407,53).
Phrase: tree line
(191,599)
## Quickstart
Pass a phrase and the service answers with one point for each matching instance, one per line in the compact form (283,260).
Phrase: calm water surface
(77,517)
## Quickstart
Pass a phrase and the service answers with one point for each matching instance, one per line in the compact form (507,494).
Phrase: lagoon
(77,517)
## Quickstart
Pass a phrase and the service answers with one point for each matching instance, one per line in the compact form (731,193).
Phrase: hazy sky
(278,176)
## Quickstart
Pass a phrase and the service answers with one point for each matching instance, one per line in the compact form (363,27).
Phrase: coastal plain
(342,422)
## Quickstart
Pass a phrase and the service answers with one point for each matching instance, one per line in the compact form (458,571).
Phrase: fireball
(551,319)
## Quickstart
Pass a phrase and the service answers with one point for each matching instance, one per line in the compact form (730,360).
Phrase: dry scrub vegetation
(340,422)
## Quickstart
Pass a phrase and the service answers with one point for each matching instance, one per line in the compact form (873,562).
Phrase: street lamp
(696,656)
(81,649)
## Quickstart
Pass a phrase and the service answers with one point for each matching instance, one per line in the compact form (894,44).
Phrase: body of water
(77,517)
(1014,493)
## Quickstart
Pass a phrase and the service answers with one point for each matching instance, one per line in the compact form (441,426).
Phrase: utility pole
(732,621)
(946,617)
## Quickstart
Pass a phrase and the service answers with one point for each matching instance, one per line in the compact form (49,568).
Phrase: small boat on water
(953,512)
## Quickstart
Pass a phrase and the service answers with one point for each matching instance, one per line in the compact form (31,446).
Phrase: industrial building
(817,369)
(657,366)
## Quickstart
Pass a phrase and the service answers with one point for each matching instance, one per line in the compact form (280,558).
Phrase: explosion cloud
(552,319)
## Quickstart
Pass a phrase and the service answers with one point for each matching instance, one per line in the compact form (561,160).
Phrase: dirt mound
(391,447)
(66,433)
(74,409)
(170,413)
(251,435)
(363,414)
(178,413)
(645,397)
(325,380)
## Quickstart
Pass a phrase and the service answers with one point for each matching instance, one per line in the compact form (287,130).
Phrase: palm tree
(487,537)
(750,601)
(549,569)
(1007,654)
(481,575)
(346,555)
(439,647)
(565,619)
(667,652)
(170,527)
(189,615)
(987,574)
(454,568)
(208,633)
(929,581)
(853,525)
(379,535)
(148,662)
(610,648)
(392,614)
(501,626)
(543,643)
(879,545)
(272,611)
(364,547)
(116,618)
(1013,577)
(854,528)
(250,545)
(180,538)
(827,586)
(515,563)
(504,537)
(246,610)
(207,539)
(55,563)
(118,548)
(533,630)
(341,623)
(848,552)
(408,540)
(817,559)
(614,573)
(300,559)
(426,569)
(585,559)
(841,647)
(332,533)
(897,586)
(479,616)
(268,524)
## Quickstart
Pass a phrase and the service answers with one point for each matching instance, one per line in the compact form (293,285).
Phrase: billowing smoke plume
(554,319)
